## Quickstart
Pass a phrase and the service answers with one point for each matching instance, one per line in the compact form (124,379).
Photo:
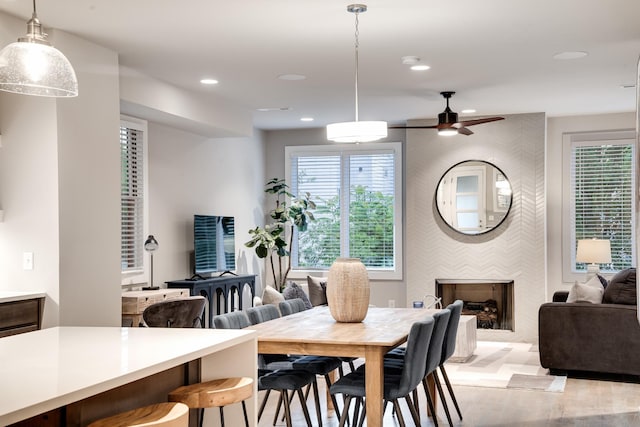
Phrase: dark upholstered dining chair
(448,347)
(281,380)
(176,313)
(398,383)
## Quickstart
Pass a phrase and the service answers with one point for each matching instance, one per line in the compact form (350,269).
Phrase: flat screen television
(214,244)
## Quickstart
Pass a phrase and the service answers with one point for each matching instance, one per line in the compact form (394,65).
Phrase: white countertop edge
(10,296)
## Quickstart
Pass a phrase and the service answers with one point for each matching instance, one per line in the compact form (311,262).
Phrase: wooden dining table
(316,332)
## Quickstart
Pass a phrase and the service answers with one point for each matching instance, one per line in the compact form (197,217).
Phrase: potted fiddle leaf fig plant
(275,239)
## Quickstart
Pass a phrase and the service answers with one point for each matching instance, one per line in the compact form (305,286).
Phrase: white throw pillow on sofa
(591,291)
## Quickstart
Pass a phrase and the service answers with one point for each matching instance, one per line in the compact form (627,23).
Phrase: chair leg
(352,366)
(453,396)
(327,380)
(263,404)
(432,409)
(287,409)
(317,402)
(291,396)
(396,405)
(442,397)
(280,399)
(416,402)
(363,415)
(221,416)
(345,411)
(244,412)
(412,408)
(305,411)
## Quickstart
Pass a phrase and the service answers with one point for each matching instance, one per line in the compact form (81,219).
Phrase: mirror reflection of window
(473,197)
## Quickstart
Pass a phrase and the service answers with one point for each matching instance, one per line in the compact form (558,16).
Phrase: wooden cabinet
(134,302)
(20,314)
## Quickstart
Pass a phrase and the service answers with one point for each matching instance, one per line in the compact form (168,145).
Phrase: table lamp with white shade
(593,252)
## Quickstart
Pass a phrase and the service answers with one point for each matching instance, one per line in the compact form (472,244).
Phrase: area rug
(505,365)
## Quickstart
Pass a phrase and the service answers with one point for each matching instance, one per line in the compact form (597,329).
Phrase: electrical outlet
(27,260)
(392,303)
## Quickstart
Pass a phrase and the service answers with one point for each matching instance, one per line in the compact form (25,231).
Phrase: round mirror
(473,197)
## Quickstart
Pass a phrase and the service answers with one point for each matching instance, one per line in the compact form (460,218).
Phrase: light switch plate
(27,260)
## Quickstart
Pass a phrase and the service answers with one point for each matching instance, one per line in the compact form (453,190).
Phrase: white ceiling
(496,54)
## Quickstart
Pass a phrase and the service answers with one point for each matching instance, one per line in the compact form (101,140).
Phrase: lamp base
(592,270)
(150,288)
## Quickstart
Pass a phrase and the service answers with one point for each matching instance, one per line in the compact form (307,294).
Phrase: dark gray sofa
(586,337)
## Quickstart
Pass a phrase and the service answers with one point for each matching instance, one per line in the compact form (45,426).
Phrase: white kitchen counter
(51,368)
(10,296)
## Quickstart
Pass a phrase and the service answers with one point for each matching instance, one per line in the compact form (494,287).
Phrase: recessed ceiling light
(273,109)
(306,119)
(468,111)
(420,67)
(209,81)
(291,77)
(570,55)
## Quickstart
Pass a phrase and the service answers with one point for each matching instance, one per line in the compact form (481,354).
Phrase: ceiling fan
(448,123)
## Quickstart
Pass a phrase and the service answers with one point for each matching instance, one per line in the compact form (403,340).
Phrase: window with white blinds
(602,196)
(357,191)
(132,197)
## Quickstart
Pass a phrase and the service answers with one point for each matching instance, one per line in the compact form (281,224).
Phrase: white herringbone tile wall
(514,251)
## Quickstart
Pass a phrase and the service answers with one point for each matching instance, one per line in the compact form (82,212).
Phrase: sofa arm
(589,337)
(560,296)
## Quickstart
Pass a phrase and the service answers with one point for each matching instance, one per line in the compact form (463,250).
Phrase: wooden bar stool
(216,393)
(160,414)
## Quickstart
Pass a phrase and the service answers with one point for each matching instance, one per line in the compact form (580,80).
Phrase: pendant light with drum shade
(31,66)
(357,131)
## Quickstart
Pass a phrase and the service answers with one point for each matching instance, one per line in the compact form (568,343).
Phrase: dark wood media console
(213,288)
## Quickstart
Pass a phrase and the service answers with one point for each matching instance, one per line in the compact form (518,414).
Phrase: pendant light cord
(357,45)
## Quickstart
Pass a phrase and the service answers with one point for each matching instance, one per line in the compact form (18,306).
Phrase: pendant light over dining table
(31,66)
(357,131)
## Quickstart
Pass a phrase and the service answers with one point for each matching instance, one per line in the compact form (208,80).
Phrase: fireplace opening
(491,301)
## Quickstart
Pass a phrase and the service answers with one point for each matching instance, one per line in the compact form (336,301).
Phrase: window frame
(137,277)
(597,138)
(358,149)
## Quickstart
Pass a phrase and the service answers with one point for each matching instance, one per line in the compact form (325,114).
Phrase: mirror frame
(506,212)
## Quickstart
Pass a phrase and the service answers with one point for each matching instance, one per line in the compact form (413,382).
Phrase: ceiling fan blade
(464,131)
(480,121)
(412,127)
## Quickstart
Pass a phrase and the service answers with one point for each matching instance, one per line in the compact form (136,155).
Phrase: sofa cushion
(604,281)
(271,296)
(591,291)
(292,291)
(317,290)
(622,288)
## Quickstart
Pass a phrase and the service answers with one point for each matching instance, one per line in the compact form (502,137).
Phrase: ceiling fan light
(447,132)
(365,131)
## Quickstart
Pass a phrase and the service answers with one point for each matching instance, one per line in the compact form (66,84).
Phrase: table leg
(374,379)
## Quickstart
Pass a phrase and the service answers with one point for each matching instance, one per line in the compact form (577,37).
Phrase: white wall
(29,198)
(192,174)
(515,250)
(59,178)
(556,127)
(381,290)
